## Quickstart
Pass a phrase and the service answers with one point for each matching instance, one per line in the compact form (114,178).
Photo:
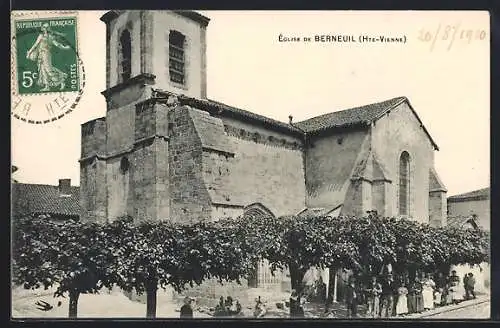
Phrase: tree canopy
(142,256)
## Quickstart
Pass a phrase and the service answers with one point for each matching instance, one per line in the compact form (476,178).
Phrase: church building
(164,150)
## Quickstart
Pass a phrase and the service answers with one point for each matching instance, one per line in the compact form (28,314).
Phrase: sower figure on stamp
(40,52)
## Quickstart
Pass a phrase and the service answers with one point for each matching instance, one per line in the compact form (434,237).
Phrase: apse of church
(165,151)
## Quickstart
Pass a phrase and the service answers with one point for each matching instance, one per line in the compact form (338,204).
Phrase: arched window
(404,183)
(125,56)
(176,64)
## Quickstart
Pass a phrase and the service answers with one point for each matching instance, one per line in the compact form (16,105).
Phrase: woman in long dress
(402,303)
(456,292)
(48,75)
(428,292)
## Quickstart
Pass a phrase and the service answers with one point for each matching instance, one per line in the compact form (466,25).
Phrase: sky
(446,82)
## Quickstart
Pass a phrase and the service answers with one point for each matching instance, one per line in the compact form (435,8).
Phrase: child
(438,297)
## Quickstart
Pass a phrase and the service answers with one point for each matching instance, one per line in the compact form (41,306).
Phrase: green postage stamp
(46,55)
(47,72)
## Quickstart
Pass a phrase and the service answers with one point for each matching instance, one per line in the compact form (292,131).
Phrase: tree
(68,255)
(146,255)
(151,254)
(297,243)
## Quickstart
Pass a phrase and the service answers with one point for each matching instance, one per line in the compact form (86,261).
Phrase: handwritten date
(450,34)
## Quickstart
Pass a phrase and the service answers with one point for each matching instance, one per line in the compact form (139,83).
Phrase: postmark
(48,75)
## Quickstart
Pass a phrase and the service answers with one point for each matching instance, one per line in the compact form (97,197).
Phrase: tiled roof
(363,115)
(216,107)
(480,194)
(461,221)
(348,117)
(44,199)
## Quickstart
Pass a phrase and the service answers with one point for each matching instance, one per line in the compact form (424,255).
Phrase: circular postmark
(48,75)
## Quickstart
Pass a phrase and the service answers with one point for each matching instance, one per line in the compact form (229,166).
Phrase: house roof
(462,221)
(44,199)
(480,194)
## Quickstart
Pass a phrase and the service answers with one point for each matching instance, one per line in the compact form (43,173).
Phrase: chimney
(290,119)
(65,186)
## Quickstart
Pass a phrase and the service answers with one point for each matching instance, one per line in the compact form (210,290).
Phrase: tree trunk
(151,293)
(296,277)
(73,303)
(332,285)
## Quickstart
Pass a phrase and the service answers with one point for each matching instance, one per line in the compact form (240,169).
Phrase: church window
(404,183)
(125,56)
(176,42)
(124,165)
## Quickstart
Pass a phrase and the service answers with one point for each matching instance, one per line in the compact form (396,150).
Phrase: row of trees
(85,257)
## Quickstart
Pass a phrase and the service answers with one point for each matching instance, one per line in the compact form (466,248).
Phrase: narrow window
(125,55)
(124,165)
(404,183)
(176,65)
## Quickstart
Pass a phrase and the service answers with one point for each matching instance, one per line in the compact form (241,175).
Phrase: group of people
(386,297)
(227,308)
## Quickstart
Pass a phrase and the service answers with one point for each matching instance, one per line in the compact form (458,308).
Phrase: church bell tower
(164,48)
(124,165)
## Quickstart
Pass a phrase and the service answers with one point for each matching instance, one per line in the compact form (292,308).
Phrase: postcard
(250,164)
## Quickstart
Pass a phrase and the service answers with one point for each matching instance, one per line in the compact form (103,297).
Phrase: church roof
(218,108)
(44,199)
(480,194)
(348,117)
(358,116)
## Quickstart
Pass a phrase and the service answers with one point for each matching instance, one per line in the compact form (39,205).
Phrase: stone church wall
(267,167)
(93,171)
(329,163)
(189,199)
(399,131)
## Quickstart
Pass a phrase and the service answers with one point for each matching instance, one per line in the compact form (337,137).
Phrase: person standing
(388,291)
(351,299)
(454,290)
(471,282)
(412,298)
(294,303)
(428,292)
(466,286)
(186,309)
(373,298)
(418,295)
(402,302)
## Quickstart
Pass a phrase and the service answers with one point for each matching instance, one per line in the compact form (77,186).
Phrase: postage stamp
(46,64)
(45,60)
